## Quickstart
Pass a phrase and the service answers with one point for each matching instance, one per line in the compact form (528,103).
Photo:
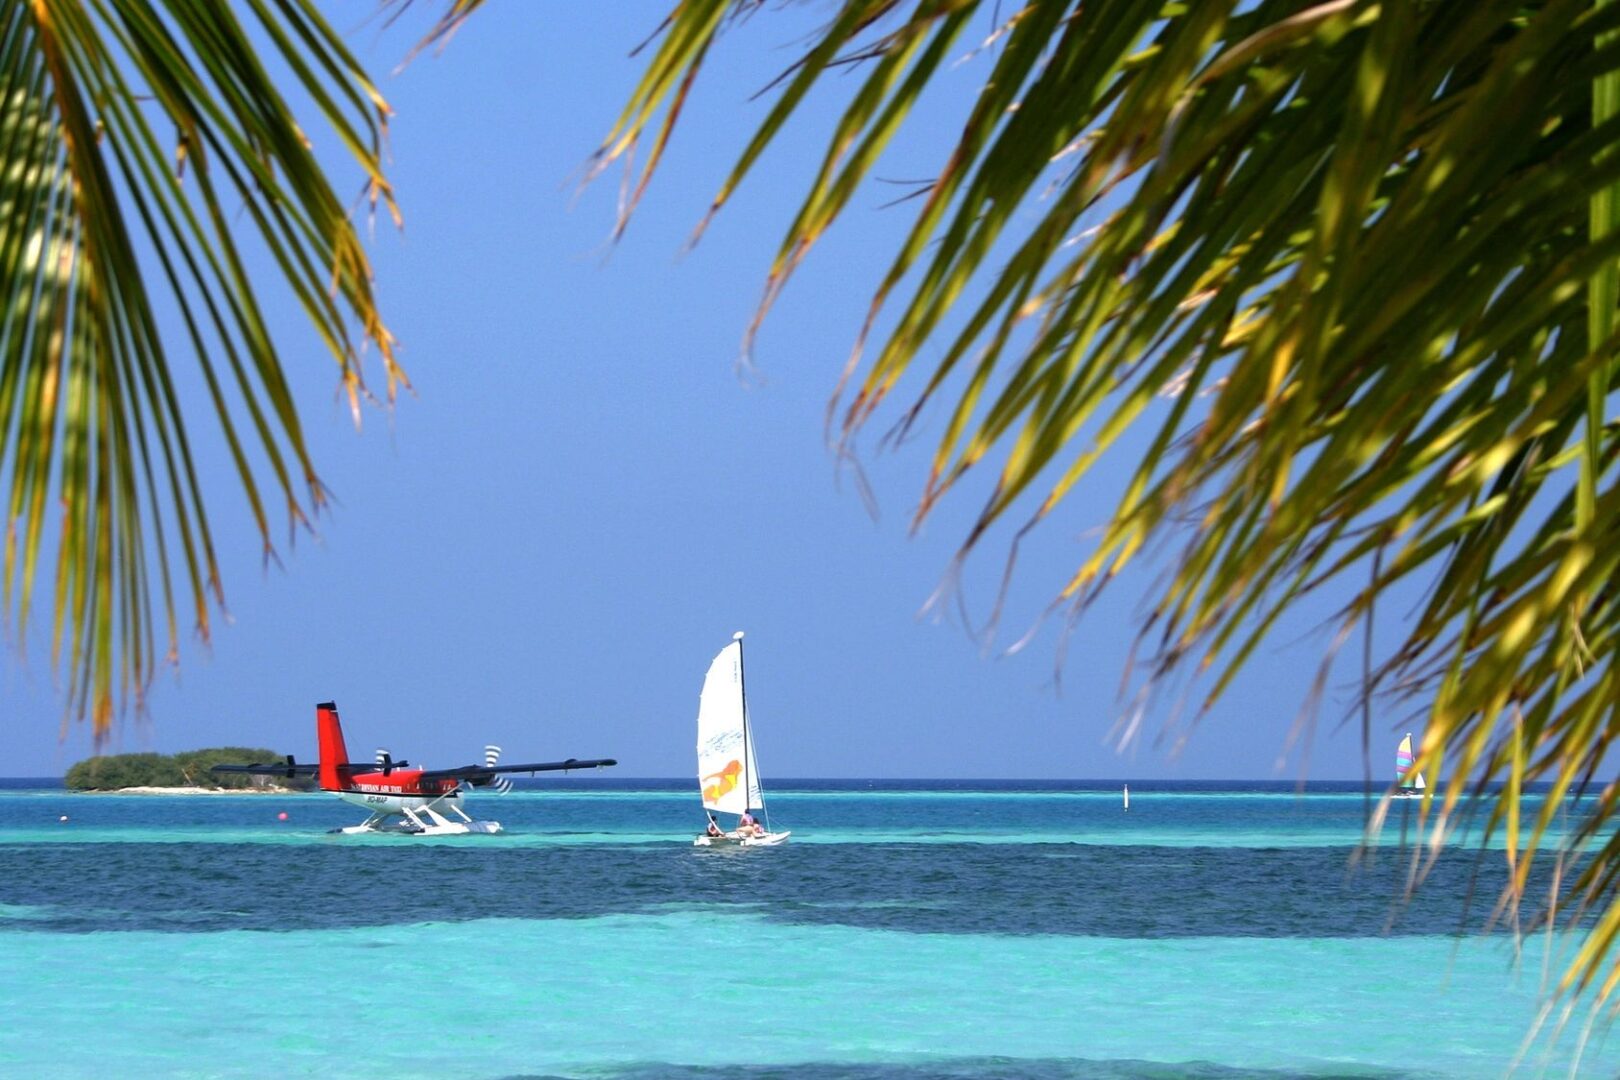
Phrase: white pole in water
(1127,798)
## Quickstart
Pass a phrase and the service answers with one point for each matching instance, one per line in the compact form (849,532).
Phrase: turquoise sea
(909,930)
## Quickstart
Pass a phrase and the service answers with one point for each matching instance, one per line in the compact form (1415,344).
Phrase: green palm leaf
(1353,265)
(135,135)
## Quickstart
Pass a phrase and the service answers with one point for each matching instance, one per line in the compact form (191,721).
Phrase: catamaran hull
(768,840)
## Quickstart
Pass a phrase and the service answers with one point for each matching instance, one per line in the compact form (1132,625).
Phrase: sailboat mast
(750,781)
(742,690)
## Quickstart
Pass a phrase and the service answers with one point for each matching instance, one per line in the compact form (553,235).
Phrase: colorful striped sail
(1403,766)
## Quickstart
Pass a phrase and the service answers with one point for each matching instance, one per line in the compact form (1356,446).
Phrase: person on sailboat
(749,826)
(714,827)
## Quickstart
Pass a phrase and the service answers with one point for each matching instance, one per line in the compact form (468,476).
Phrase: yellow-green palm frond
(1339,257)
(142,144)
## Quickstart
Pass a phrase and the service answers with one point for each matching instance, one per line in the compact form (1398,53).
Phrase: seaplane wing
(286,768)
(292,768)
(480,775)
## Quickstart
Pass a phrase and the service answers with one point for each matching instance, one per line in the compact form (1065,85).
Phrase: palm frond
(1351,264)
(136,134)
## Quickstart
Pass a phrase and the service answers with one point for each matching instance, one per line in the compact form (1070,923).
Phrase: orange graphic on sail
(724,781)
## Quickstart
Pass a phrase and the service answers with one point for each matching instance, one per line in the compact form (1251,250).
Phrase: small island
(184,772)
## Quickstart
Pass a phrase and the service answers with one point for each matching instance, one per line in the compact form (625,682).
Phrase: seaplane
(401,799)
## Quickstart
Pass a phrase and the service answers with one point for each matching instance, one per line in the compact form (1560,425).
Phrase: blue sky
(547,543)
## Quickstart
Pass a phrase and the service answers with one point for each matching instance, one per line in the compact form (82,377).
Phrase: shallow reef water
(908,930)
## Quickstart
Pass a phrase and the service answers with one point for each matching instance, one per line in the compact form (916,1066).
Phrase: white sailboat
(728,775)
(1407,782)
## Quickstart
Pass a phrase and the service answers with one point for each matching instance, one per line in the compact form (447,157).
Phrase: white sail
(727,774)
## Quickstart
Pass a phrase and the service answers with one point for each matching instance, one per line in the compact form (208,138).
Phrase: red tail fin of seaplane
(329,733)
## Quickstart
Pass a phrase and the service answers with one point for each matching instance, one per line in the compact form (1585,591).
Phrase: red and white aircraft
(400,798)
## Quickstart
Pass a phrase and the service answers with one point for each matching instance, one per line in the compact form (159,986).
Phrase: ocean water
(908,930)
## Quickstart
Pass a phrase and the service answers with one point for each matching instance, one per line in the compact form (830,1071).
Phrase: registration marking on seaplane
(415,801)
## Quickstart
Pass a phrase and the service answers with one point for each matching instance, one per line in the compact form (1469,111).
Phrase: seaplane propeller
(492,757)
(385,761)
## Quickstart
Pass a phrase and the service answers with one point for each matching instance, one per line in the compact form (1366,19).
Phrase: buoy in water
(62,818)
(279,817)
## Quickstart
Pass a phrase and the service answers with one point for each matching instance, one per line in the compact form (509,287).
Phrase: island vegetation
(188,769)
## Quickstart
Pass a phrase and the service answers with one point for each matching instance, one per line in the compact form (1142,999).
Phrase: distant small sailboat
(728,775)
(1127,798)
(1408,783)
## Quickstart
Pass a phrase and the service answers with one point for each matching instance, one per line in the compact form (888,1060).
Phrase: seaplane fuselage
(403,789)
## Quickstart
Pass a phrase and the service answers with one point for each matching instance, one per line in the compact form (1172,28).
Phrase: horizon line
(936,779)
